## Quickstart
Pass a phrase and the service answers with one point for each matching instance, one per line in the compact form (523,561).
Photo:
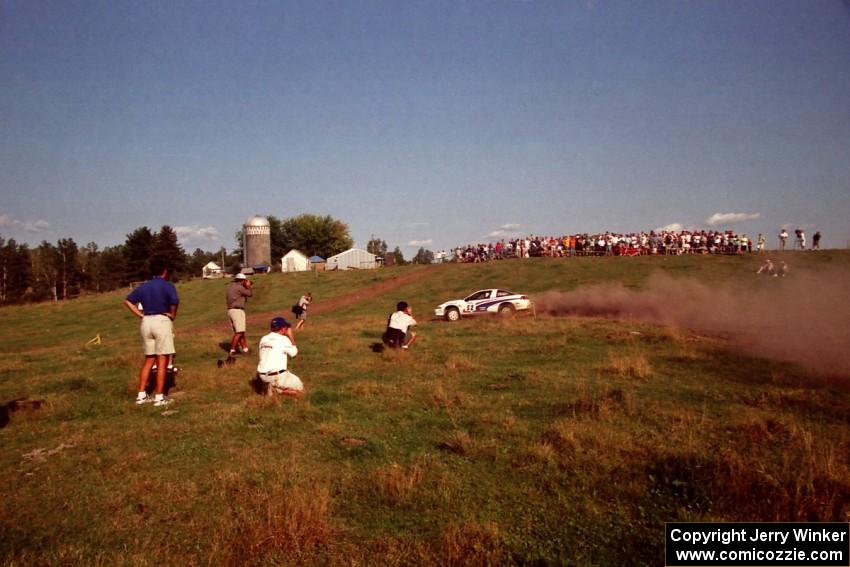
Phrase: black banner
(758,544)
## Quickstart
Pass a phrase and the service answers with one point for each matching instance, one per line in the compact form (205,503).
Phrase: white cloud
(506,230)
(794,226)
(8,221)
(197,233)
(425,242)
(729,218)
(672,227)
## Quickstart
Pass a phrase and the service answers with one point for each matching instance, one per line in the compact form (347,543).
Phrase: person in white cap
(275,348)
(238,292)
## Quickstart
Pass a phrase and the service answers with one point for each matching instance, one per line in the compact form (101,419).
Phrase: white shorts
(157,335)
(237,319)
(286,380)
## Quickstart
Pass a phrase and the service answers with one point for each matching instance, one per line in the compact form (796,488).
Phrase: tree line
(64,270)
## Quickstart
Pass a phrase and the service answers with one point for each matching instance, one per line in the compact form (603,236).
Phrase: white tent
(294,261)
(353,259)
(212,271)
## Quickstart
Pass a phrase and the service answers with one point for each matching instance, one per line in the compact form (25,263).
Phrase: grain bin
(256,242)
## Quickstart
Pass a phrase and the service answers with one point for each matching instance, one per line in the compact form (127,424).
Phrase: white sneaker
(164,401)
(142,399)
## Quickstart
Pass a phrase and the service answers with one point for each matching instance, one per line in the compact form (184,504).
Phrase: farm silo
(257,242)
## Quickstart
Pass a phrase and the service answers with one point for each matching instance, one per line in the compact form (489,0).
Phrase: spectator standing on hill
(275,349)
(816,241)
(300,309)
(783,237)
(399,333)
(159,302)
(237,294)
(760,244)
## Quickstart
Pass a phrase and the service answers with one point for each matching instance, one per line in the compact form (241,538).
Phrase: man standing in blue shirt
(158,300)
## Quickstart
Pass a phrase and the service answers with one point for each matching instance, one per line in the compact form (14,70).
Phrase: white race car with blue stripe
(499,301)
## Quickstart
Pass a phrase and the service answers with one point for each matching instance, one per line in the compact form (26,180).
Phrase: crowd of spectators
(661,242)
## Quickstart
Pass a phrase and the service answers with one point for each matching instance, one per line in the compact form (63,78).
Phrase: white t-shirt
(274,348)
(401,321)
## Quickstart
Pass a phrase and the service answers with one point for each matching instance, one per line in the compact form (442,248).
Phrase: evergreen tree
(167,249)
(15,271)
(138,250)
(111,268)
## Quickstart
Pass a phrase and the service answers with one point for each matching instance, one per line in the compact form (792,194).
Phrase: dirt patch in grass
(359,295)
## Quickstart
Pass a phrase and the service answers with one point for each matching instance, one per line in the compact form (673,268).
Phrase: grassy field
(538,439)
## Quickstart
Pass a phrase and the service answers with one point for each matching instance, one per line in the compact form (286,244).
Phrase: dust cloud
(804,318)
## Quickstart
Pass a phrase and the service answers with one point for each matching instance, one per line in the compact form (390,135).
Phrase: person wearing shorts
(300,309)
(159,302)
(237,294)
(275,348)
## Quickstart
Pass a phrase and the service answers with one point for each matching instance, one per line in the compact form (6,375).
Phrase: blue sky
(429,123)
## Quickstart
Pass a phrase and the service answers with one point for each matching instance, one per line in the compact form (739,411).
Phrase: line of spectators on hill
(661,242)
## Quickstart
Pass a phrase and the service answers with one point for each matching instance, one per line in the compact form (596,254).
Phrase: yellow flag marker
(95,341)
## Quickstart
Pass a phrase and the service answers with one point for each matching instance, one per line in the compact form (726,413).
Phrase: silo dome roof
(257,220)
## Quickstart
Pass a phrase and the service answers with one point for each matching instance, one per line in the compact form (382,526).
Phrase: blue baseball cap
(279,323)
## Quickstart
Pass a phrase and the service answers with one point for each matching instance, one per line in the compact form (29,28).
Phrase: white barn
(353,259)
(294,261)
(212,271)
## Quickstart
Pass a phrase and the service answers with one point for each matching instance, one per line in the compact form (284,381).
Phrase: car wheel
(452,314)
(506,310)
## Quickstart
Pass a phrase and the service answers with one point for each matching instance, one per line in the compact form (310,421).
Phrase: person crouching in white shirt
(399,333)
(274,350)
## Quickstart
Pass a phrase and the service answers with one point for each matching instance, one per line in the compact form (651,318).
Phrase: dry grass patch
(772,471)
(269,523)
(439,398)
(470,544)
(327,429)
(364,389)
(460,363)
(396,483)
(544,453)
(629,365)
(459,442)
(599,405)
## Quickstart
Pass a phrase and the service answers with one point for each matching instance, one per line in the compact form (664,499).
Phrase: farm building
(317,263)
(294,261)
(212,271)
(353,259)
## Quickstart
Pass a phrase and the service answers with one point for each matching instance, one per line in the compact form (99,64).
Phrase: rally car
(484,301)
